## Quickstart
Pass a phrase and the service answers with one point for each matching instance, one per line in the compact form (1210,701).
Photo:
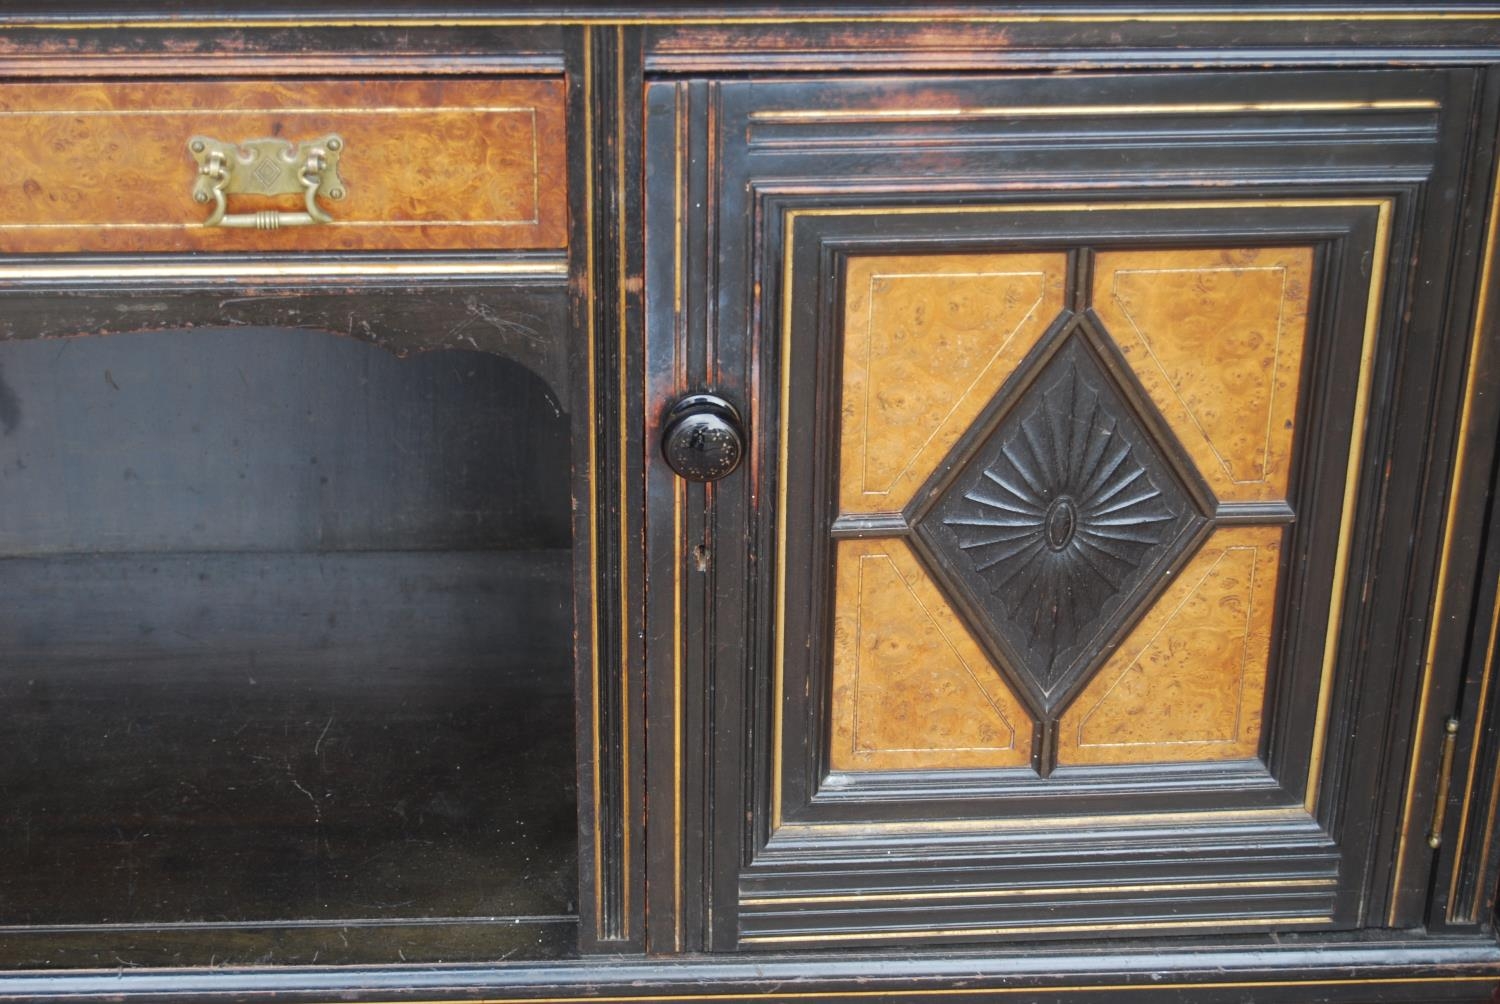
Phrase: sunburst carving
(1058,520)
(1066,515)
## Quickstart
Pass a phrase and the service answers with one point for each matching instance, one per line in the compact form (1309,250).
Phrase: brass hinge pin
(1445,778)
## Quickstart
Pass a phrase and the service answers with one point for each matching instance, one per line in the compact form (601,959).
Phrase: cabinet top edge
(191,14)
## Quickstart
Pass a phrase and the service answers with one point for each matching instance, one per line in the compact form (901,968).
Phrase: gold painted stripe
(1054,207)
(1494,788)
(708,20)
(1373,303)
(778,687)
(679,196)
(297,270)
(970,932)
(1285,814)
(677,655)
(624,485)
(1072,111)
(1489,657)
(1450,522)
(1478,733)
(593,501)
(1009,892)
(1383,209)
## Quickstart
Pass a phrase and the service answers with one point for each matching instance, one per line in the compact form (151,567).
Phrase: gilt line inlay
(918,605)
(912,688)
(1125,309)
(885,279)
(928,341)
(1216,337)
(1188,683)
(1239,679)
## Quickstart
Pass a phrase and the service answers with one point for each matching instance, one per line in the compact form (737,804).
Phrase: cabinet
(1083,587)
(1067,395)
(287,656)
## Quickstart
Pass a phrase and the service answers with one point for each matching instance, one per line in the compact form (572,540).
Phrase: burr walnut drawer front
(306,165)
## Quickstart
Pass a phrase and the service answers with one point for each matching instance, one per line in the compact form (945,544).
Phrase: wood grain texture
(1189,681)
(1216,337)
(928,340)
(911,688)
(429,164)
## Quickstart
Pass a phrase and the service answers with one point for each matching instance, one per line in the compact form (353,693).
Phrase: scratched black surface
(286,633)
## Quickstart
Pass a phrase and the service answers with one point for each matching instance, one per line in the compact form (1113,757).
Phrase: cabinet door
(1059,593)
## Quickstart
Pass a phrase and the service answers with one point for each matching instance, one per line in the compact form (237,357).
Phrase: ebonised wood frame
(807,152)
(782,896)
(1439,523)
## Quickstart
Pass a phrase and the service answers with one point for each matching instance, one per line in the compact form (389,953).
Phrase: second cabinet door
(1054,582)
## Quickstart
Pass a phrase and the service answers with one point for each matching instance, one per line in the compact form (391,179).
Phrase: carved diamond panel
(1059,523)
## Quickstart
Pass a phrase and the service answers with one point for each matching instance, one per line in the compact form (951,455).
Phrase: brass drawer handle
(266,167)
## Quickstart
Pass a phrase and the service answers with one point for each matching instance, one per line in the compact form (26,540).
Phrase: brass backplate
(268,166)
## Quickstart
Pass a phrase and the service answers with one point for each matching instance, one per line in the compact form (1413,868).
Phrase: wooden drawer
(423,164)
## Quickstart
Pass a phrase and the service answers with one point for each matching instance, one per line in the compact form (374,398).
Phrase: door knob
(702,438)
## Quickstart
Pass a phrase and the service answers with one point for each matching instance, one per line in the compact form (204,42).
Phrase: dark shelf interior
(286,654)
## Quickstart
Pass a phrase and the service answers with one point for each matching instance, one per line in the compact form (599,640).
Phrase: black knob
(702,438)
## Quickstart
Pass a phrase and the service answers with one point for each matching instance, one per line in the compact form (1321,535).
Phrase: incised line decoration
(898,644)
(928,340)
(1216,337)
(1192,675)
(881,282)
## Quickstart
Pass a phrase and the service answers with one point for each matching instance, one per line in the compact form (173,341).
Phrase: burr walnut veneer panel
(1215,336)
(428,164)
(1083,540)
(928,341)
(912,688)
(1189,681)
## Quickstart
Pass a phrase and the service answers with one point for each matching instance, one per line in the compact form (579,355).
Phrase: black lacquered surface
(285,653)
